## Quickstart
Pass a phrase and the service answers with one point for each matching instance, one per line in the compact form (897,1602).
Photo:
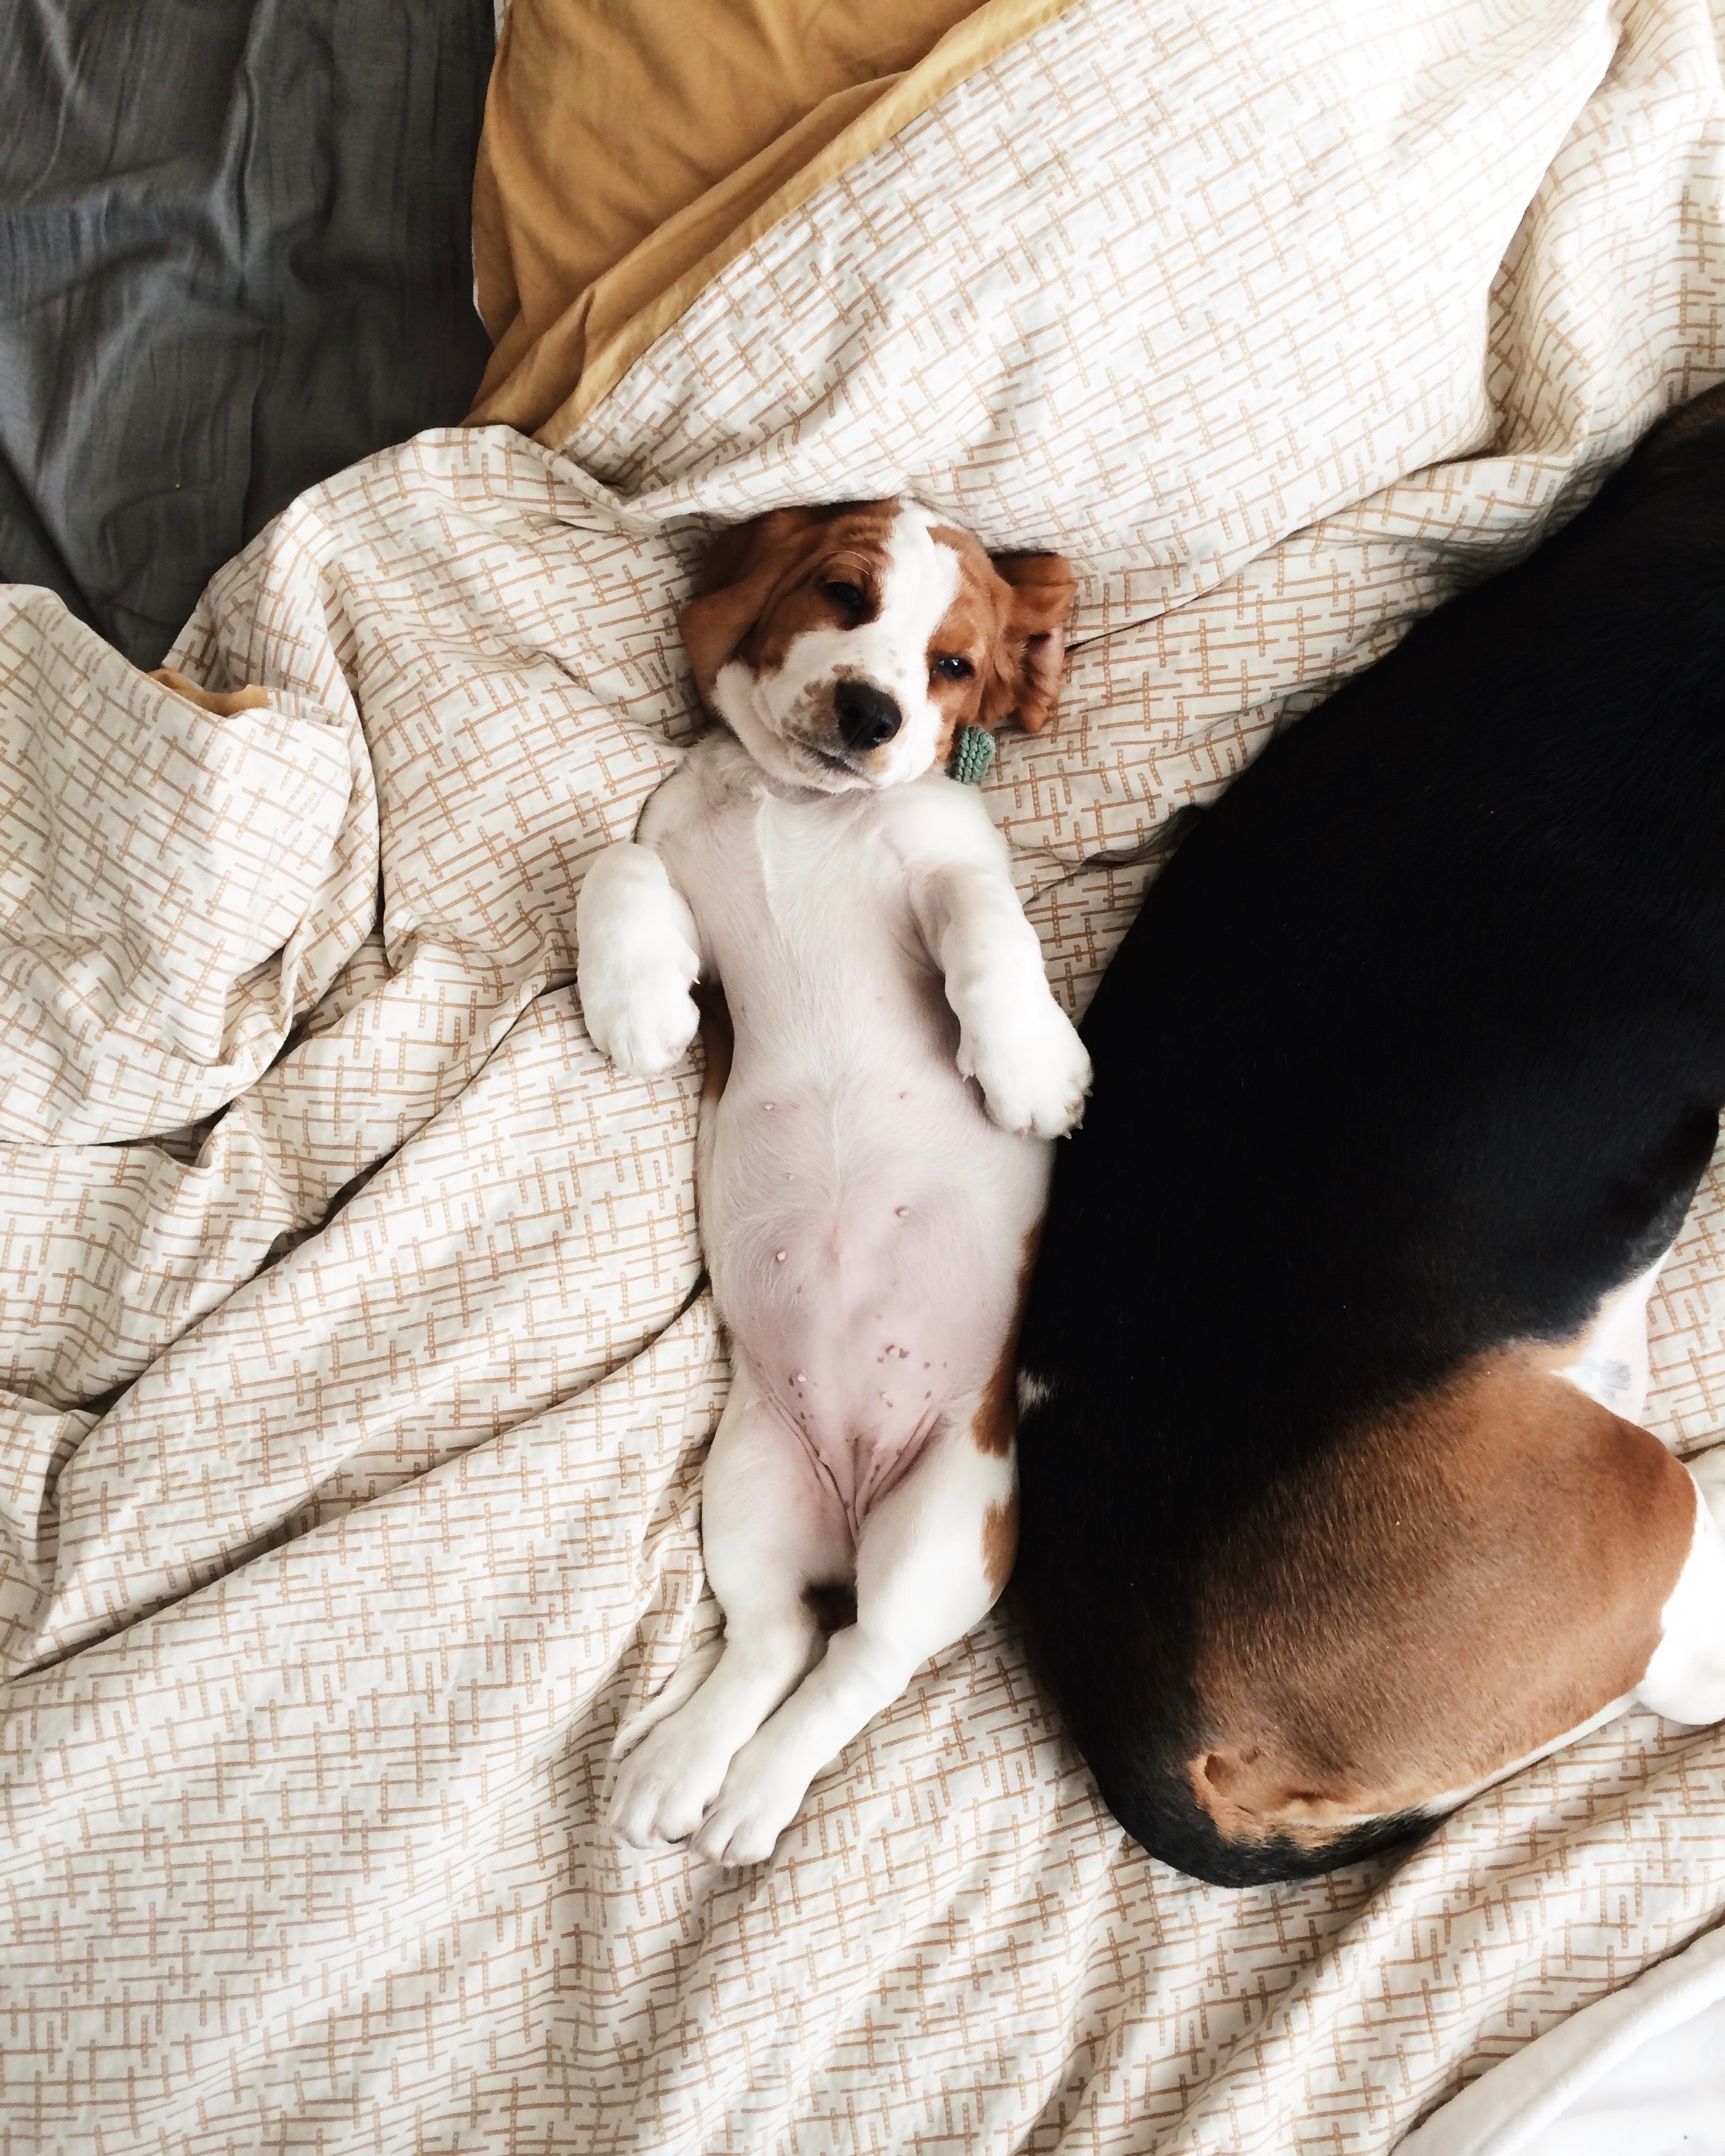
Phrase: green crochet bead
(972,752)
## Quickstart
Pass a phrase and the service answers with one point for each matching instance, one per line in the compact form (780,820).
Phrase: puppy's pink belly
(865,1240)
(862,1414)
(858,1470)
(863,1334)
(859,1362)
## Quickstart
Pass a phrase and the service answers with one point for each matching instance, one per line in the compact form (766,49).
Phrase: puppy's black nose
(866,716)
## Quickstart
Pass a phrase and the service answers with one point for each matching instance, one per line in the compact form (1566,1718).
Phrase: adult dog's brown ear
(740,578)
(1024,683)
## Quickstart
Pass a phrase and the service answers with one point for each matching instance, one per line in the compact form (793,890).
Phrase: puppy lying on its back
(866,1210)
(1335,1506)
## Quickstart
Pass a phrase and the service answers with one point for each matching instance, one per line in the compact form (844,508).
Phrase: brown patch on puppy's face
(845,646)
(1031,645)
(1007,626)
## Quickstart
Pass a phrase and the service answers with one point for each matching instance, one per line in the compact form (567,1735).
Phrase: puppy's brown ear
(1031,647)
(739,580)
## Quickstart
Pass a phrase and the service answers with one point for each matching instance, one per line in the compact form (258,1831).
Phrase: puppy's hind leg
(933,1557)
(770,1530)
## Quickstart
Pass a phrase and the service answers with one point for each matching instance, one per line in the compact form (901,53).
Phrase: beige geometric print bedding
(351,1436)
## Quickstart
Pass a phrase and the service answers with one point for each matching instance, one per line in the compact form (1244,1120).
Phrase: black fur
(1416,1047)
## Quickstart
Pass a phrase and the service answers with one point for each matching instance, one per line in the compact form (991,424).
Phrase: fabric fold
(583,253)
(164,869)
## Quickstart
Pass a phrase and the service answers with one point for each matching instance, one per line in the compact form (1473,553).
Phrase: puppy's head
(843,646)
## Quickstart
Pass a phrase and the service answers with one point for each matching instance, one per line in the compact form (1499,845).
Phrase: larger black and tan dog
(1334,1503)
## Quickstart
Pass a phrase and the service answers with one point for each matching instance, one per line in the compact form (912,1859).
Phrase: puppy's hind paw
(762,1793)
(664,1786)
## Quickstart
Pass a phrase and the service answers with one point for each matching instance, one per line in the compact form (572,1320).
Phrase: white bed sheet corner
(1640,2072)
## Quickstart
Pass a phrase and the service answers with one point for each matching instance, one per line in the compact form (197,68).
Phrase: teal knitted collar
(972,752)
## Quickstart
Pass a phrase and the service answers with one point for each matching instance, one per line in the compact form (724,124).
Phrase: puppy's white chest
(804,907)
(822,868)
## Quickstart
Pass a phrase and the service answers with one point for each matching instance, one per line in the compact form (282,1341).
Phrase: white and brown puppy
(873,1172)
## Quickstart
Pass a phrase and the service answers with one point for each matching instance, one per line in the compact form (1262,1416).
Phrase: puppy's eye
(847,596)
(953,669)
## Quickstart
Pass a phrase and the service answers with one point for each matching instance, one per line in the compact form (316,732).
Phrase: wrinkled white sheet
(1667,2099)
(1640,2072)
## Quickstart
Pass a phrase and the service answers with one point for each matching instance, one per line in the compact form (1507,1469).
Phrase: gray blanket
(234,258)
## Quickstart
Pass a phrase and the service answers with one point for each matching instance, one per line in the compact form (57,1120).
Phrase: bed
(359,1362)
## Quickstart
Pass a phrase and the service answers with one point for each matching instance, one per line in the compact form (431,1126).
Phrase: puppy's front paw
(643,1026)
(635,961)
(1033,1070)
